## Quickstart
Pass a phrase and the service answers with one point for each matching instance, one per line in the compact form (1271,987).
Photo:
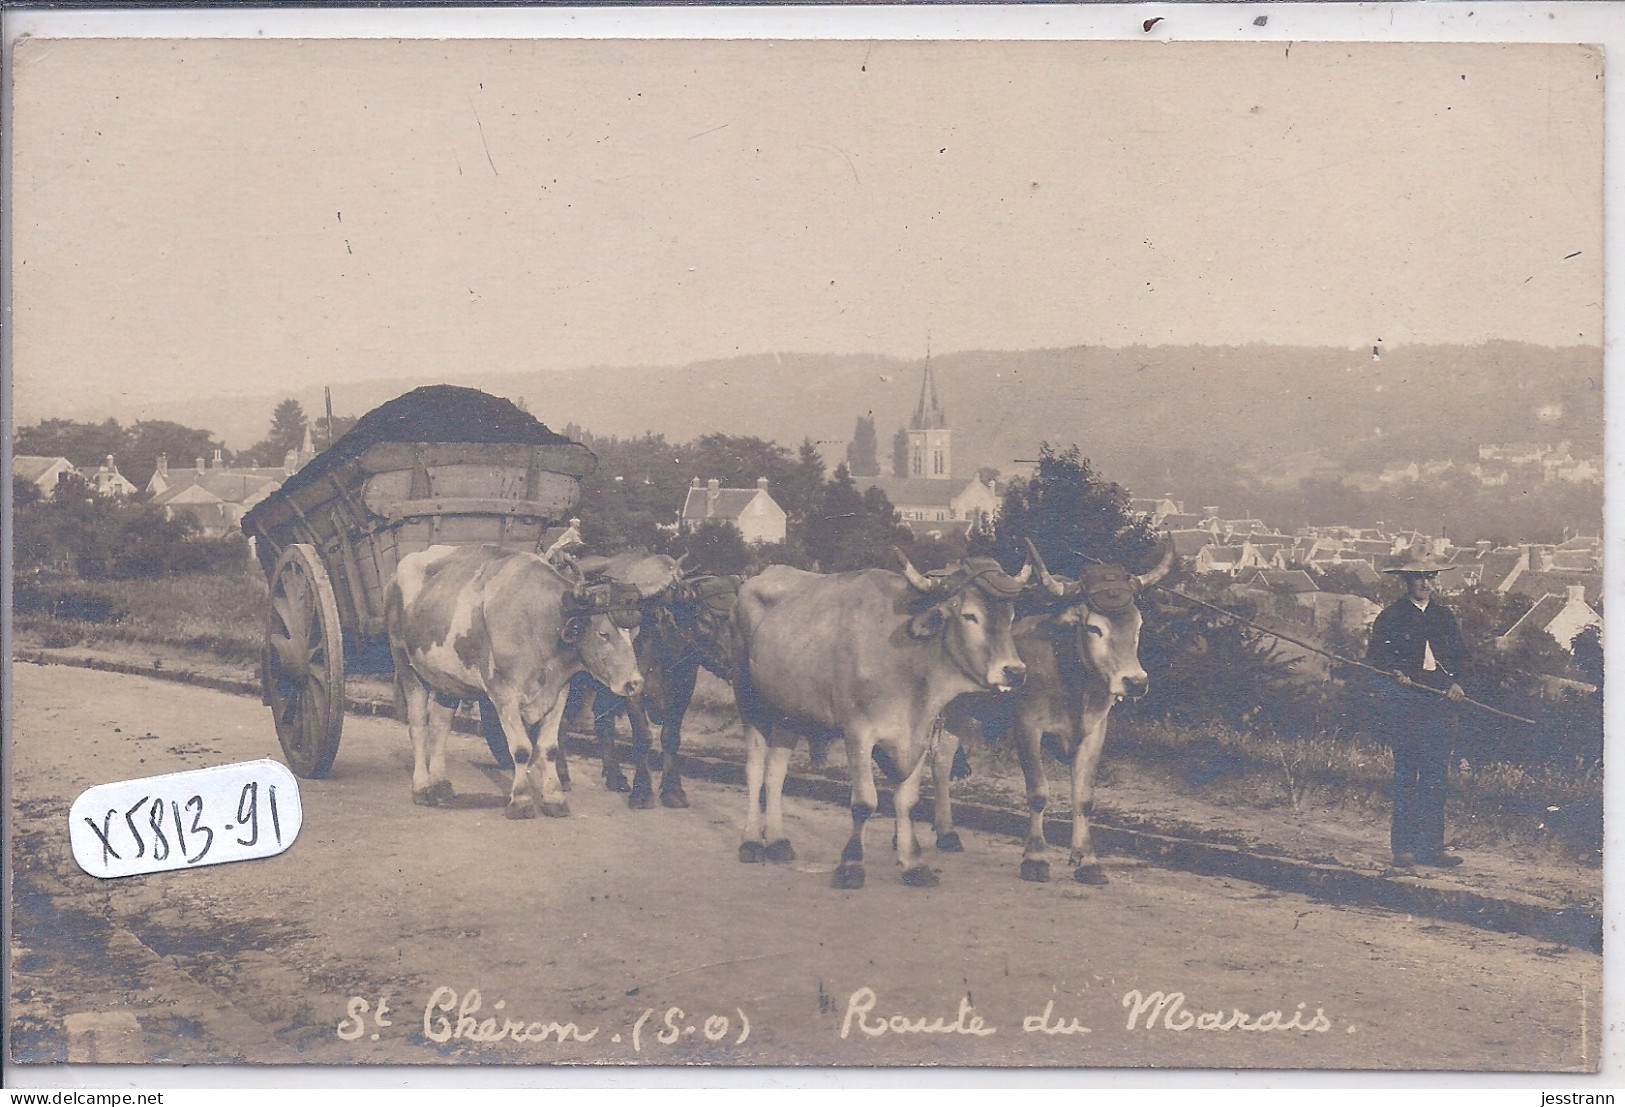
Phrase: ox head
(1099,611)
(973,609)
(598,622)
(652,575)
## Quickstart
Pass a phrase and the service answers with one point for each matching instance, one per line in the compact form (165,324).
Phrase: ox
(685,624)
(691,626)
(467,622)
(873,657)
(1082,657)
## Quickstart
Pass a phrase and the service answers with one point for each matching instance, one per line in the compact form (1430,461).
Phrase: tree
(801,489)
(24,492)
(1205,666)
(287,432)
(637,489)
(87,445)
(852,529)
(899,453)
(1072,515)
(715,546)
(101,537)
(325,432)
(288,424)
(181,445)
(862,453)
(737,461)
(1587,647)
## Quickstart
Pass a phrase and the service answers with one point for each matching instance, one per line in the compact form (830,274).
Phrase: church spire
(929,449)
(928,412)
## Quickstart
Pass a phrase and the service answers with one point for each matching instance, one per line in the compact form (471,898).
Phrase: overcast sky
(233,213)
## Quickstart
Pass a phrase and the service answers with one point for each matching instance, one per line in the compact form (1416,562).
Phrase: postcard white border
(1599,22)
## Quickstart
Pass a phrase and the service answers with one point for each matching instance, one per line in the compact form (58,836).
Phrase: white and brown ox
(467,622)
(873,657)
(1082,657)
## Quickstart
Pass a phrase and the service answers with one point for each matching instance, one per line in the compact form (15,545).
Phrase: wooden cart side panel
(280,518)
(549,494)
(396,498)
(573,459)
(558,471)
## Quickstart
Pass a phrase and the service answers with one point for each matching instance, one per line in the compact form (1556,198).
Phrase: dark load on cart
(441,465)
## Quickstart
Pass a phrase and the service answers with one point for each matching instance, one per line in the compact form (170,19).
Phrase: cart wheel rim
(304,659)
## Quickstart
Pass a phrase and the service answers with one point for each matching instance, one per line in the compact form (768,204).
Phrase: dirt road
(395,934)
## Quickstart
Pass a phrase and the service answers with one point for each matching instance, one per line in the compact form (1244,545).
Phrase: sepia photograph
(837,553)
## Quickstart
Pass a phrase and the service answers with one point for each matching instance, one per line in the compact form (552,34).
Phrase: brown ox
(687,627)
(467,622)
(1082,656)
(871,656)
(685,624)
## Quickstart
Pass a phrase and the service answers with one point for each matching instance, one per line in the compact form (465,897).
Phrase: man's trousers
(1421,728)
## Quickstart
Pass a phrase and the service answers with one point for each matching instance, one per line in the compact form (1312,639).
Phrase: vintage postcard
(1190,451)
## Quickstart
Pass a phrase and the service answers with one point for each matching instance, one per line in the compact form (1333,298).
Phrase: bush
(108,538)
(715,546)
(1206,667)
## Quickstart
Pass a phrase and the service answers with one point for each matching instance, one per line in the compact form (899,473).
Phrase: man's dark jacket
(1398,637)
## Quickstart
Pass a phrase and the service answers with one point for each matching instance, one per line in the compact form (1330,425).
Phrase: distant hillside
(1143,415)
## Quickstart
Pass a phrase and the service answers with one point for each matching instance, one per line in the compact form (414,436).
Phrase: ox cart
(442,465)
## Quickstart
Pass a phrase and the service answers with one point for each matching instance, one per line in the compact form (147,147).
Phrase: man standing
(1417,639)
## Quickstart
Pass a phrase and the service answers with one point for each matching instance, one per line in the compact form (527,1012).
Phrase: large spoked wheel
(304,662)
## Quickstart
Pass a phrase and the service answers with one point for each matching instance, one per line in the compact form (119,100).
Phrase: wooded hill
(1144,415)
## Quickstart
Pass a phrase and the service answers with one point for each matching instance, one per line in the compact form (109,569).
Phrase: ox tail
(400,690)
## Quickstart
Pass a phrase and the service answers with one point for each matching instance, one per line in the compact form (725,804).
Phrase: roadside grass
(1553,810)
(222,614)
(1550,809)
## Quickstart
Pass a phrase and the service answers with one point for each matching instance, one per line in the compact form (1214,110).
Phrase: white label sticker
(186,820)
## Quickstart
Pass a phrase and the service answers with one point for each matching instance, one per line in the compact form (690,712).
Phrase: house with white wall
(44,473)
(753,511)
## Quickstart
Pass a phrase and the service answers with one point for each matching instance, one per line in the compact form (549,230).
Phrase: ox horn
(1055,587)
(919,580)
(1160,570)
(682,562)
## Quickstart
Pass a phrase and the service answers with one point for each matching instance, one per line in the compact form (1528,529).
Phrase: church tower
(930,454)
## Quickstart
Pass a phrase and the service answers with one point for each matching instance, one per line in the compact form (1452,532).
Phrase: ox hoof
(438,794)
(641,800)
(780,852)
(950,843)
(616,782)
(556,810)
(1090,874)
(1035,871)
(920,876)
(849,875)
(524,810)
(752,853)
(673,797)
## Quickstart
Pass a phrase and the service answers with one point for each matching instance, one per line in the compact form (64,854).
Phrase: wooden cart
(439,466)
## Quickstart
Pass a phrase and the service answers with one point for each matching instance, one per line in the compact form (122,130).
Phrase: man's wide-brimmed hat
(1420,566)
